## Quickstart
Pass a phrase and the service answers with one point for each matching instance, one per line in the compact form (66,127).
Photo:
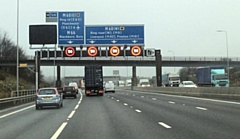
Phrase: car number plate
(68,92)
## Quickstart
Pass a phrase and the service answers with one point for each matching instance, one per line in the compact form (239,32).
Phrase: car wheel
(62,104)
(75,96)
(113,91)
(37,107)
(100,94)
(63,97)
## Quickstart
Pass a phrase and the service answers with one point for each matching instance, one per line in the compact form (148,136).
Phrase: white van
(75,85)
(109,87)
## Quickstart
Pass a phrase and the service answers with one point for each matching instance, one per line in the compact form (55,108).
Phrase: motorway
(125,115)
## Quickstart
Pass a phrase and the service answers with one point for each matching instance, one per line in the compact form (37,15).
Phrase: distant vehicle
(171,79)
(48,97)
(212,76)
(121,83)
(109,87)
(81,84)
(75,85)
(93,80)
(69,91)
(144,83)
(187,84)
(128,82)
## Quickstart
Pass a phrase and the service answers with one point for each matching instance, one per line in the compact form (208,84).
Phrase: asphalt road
(125,115)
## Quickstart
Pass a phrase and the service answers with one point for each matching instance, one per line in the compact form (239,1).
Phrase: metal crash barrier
(17,98)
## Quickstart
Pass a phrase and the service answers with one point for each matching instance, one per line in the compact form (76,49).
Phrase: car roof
(187,81)
(48,88)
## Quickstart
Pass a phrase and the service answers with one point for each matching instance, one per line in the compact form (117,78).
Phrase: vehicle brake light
(63,88)
(73,88)
(56,92)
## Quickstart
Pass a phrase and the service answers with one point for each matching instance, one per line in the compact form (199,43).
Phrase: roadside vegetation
(8,52)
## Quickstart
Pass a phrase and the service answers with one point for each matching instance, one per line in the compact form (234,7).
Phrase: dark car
(48,97)
(69,91)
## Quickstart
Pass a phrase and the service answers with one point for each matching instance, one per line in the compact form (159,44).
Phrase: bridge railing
(164,58)
(17,98)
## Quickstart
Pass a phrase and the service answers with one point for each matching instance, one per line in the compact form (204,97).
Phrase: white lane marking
(201,108)
(112,97)
(207,99)
(58,132)
(134,95)
(154,99)
(171,102)
(164,125)
(60,129)
(183,104)
(76,107)
(131,107)
(107,96)
(125,104)
(142,96)
(71,114)
(16,111)
(117,100)
(138,110)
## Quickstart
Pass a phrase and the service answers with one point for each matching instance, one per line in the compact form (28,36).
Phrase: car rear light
(63,88)
(56,92)
(73,88)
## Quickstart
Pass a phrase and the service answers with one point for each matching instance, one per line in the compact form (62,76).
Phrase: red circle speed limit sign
(136,50)
(114,51)
(92,51)
(70,51)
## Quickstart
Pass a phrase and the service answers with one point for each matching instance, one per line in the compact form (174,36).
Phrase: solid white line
(142,96)
(125,104)
(138,110)
(171,102)
(164,125)
(71,114)
(117,100)
(154,99)
(58,132)
(16,111)
(201,108)
(206,99)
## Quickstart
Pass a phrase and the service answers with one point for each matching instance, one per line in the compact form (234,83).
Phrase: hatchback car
(69,91)
(48,97)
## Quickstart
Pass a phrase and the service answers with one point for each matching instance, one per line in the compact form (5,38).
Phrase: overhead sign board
(115,34)
(70,28)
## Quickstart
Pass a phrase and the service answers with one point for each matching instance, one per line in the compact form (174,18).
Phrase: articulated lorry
(212,76)
(170,80)
(93,80)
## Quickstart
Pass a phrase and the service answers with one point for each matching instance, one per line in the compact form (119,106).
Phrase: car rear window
(68,88)
(47,92)
(73,84)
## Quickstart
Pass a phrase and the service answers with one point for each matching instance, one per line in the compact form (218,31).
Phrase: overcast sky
(186,27)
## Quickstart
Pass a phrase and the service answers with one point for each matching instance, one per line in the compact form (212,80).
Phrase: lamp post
(173,57)
(17,46)
(227,50)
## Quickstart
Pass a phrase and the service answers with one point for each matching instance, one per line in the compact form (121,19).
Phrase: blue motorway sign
(115,34)
(70,28)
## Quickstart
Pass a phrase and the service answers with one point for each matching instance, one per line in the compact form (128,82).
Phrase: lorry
(212,76)
(170,80)
(121,83)
(93,78)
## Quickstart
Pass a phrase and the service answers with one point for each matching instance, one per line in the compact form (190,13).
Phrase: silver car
(48,97)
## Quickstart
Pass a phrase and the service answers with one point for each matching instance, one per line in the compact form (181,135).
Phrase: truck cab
(219,78)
